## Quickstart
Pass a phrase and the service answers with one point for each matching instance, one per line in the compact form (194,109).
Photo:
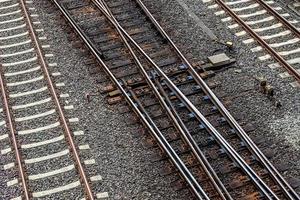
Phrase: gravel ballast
(279,127)
(121,158)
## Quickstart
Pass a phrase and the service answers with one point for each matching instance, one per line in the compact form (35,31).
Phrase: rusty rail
(14,141)
(288,190)
(279,17)
(246,168)
(62,117)
(264,44)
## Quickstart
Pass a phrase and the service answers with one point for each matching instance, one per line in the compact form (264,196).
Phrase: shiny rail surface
(160,85)
(23,176)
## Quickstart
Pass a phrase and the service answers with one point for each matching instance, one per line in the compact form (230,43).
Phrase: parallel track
(23,101)
(258,18)
(153,75)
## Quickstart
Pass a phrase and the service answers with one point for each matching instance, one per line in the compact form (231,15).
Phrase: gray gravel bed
(121,159)
(251,104)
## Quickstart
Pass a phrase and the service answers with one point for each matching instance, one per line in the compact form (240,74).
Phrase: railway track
(205,144)
(274,33)
(38,135)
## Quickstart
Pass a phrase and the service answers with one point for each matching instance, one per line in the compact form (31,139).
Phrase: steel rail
(204,162)
(204,195)
(188,140)
(247,169)
(67,131)
(160,138)
(161,101)
(13,134)
(263,43)
(232,121)
(279,17)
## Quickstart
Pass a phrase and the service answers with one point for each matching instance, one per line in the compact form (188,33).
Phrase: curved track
(167,93)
